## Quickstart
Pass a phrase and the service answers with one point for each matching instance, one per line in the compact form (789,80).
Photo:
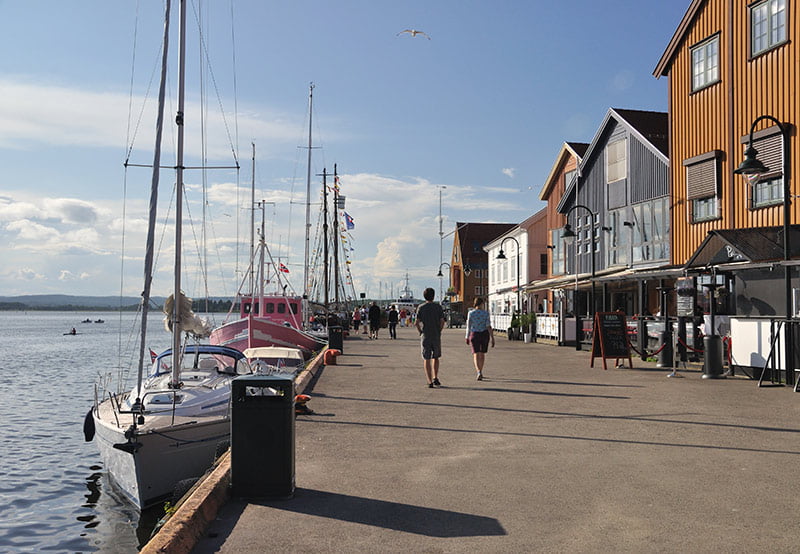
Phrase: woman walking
(479,333)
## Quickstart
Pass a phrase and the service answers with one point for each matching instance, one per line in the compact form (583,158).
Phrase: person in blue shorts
(479,334)
(430,322)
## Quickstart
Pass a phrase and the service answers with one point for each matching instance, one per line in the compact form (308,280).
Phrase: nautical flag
(283,268)
(351,224)
(153,356)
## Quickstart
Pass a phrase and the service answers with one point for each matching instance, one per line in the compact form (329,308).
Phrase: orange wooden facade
(569,156)
(716,118)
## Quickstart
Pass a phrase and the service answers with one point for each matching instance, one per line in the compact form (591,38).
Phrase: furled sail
(190,322)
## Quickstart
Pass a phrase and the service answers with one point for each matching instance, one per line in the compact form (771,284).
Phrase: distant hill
(68,302)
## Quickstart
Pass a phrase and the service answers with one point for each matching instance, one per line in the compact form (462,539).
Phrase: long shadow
(540,393)
(407,518)
(563,437)
(569,383)
(652,418)
(365,355)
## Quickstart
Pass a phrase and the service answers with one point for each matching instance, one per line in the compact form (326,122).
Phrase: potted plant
(514,332)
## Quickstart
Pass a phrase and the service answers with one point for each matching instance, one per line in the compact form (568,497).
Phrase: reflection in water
(103,500)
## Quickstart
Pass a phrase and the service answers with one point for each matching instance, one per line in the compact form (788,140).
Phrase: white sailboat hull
(168,453)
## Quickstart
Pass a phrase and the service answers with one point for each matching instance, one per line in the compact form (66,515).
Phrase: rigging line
(214,83)
(133,68)
(122,263)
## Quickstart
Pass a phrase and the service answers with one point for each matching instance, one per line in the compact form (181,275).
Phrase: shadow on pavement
(388,515)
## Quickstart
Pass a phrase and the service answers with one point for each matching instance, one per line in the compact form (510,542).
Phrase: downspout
(732,224)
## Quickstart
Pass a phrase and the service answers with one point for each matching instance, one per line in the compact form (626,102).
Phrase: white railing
(501,322)
(547,326)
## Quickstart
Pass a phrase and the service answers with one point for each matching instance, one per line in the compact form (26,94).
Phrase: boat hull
(167,452)
(255,332)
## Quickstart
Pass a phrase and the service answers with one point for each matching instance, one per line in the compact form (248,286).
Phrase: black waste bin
(336,338)
(262,436)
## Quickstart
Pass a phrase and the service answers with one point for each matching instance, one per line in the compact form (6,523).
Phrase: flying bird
(413,33)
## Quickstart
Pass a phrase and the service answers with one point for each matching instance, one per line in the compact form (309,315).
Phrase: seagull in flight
(413,33)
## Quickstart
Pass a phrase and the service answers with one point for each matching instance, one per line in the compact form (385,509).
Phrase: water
(54,492)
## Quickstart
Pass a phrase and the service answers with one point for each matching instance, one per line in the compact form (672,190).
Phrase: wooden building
(617,206)
(469,265)
(563,171)
(729,62)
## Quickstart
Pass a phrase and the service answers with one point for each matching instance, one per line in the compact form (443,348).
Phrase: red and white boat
(268,320)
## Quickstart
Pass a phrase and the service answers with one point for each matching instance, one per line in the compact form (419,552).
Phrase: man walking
(430,322)
(393,319)
(374,320)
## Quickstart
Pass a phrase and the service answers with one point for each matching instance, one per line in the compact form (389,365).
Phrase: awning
(728,246)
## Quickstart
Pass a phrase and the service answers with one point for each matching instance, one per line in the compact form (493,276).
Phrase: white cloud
(28,274)
(509,172)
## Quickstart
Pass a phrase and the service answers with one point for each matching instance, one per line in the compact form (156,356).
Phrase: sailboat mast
(335,236)
(252,222)
(153,209)
(179,167)
(325,233)
(308,196)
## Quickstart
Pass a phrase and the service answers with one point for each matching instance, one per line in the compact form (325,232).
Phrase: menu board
(610,337)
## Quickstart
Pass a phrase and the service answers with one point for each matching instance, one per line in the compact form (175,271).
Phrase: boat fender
(88,426)
(330,356)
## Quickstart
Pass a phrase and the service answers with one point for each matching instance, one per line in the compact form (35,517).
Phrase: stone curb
(181,531)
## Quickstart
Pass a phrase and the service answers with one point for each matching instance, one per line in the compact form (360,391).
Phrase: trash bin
(335,338)
(262,436)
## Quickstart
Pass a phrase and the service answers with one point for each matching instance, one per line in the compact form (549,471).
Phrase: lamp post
(441,238)
(569,235)
(502,256)
(753,166)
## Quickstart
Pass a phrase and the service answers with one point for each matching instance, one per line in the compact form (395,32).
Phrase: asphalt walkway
(545,455)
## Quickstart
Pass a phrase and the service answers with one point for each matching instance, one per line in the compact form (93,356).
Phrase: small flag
(153,356)
(351,224)
(283,269)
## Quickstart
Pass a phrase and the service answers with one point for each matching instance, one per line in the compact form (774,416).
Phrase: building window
(543,264)
(705,63)
(568,177)
(616,160)
(767,25)
(704,209)
(618,239)
(650,230)
(558,252)
(702,186)
(478,291)
(767,188)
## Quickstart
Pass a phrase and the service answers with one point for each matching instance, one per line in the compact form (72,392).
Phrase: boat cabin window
(294,308)
(281,308)
(246,307)
(270,308)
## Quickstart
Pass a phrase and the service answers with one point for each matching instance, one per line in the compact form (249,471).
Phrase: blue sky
(481,109)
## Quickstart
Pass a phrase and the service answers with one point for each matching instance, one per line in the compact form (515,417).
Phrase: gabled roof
(541,214)
(651,128)
(568,149)
(761,244)
(665,62)
(480,232)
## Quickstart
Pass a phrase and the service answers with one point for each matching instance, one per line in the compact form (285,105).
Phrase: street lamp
(440,274)
(569,236)
(502,256)
(753,166)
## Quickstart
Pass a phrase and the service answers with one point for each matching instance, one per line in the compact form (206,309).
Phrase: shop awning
(729,246)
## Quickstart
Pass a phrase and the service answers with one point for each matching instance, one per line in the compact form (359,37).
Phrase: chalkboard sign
(610,337)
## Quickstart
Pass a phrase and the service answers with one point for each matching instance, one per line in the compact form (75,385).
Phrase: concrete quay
(545,455)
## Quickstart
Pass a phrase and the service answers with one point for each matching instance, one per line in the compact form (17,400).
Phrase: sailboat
(266,319)
(170,425)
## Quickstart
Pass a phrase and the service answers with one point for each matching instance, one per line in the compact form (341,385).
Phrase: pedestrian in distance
(393,318)
(430,322)
(479,334)
(374,320)
(356,319)
(364,320)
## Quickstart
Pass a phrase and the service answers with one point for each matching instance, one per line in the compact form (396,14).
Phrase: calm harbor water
(54,492)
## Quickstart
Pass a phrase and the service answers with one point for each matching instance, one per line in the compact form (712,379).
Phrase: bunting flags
(283,268)
(351,224)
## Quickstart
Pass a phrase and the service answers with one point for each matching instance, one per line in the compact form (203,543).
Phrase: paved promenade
(545,455)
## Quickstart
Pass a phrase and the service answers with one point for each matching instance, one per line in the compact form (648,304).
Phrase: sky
(473,114)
